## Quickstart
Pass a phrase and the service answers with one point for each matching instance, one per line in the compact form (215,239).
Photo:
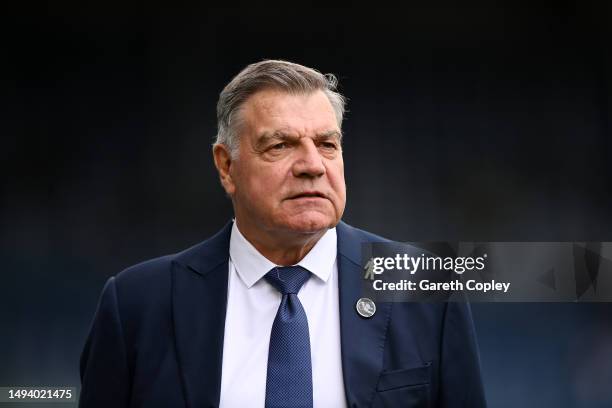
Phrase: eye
(328,145)
(279,146)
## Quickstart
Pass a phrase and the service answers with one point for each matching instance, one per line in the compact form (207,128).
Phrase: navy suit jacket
(157,338)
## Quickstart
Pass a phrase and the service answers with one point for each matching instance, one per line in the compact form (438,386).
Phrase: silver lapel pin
(366,307)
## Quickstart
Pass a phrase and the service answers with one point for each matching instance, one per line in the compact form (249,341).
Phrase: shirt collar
(251,265)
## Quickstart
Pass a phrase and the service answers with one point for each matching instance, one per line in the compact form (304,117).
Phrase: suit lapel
(362,339)
(199,303)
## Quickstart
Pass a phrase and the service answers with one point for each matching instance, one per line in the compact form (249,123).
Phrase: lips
(307,194)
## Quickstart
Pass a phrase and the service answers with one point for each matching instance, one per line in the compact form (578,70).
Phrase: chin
(311,224)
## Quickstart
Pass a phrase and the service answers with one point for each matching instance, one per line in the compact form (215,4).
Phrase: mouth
(307,194)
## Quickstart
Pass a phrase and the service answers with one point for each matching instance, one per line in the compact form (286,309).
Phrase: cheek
(244,182)
(265,184)
(336,178)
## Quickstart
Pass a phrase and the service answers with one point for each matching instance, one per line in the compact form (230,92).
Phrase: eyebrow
(329,134)
(265,137)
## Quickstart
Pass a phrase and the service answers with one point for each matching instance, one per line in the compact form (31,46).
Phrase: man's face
(289,174)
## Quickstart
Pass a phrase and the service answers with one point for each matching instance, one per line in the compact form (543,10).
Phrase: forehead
(304,114)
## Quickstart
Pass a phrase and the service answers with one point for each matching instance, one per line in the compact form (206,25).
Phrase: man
(264,312)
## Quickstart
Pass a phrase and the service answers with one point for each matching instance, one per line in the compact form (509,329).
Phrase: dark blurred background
(467,122)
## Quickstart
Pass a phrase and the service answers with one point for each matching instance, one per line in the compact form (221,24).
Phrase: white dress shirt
(251,308)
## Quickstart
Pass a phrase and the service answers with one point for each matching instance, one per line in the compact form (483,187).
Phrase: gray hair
(275,74)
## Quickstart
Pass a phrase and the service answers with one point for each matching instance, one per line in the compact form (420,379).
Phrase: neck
(282,249)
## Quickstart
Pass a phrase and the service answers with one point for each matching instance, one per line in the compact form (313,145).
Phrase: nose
(308,162)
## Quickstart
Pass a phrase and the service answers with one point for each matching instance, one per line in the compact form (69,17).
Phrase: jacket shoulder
(361,235)
(158,270)
(146,270)
(350,240)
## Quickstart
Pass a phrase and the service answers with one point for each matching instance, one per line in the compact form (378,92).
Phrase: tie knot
(288,279)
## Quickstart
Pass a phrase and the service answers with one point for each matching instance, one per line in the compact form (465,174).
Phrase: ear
(223,163)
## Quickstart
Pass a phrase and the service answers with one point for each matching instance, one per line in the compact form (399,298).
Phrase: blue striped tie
(289,380)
